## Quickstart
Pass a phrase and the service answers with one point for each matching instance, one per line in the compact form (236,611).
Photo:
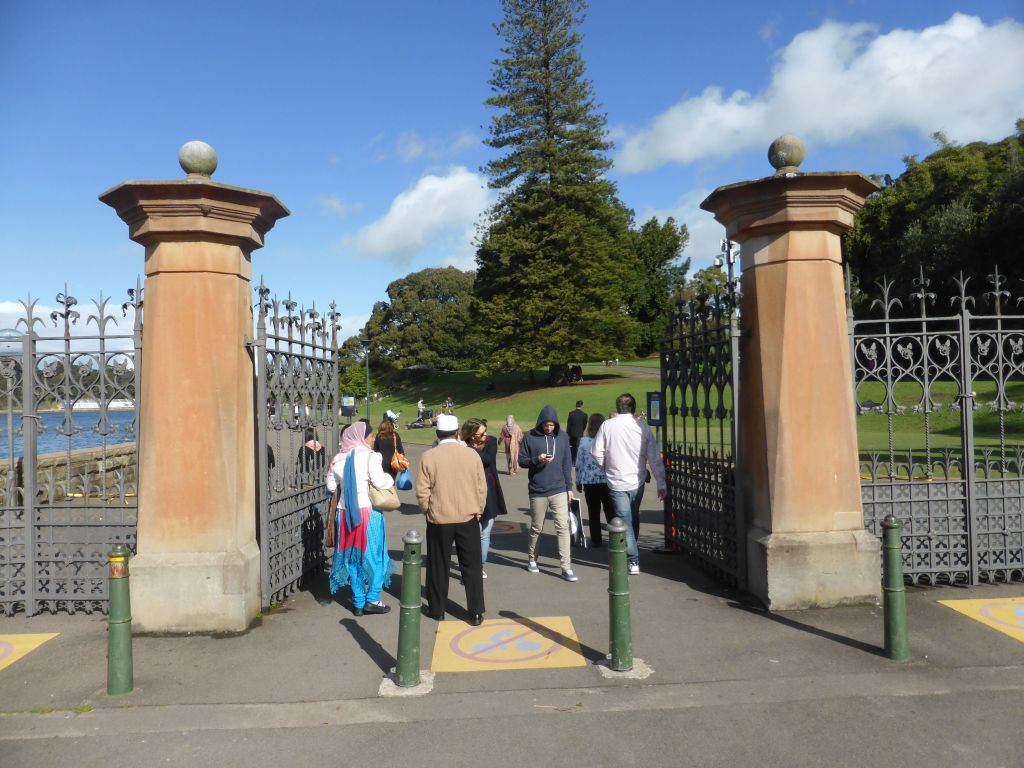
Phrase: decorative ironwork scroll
(69,385)
(296,399)
(942,429)
(700,390)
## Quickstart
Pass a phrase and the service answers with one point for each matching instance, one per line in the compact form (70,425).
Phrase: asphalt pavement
(727,684)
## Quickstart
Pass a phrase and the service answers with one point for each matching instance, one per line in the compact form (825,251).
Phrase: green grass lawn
(653,362)
(944,423)
(513,393)
(493,399)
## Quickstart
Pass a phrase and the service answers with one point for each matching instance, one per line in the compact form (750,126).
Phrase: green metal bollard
(893,592)
(120,676)
(408,673)
(620,631)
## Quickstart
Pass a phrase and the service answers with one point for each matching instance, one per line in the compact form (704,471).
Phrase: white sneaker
(634,569)
(532,567)
(483,574)
(570,576)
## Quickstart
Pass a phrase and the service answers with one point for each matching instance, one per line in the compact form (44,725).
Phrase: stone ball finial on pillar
(785,154)
(197,158)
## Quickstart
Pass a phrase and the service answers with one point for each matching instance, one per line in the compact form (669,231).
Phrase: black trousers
(597,496)
(574,446)
(466,537)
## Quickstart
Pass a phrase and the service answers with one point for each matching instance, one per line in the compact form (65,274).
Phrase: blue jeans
(627,506)
(485,538)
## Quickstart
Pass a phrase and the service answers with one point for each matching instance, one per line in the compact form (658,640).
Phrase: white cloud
(462,141)
(463,252)
(335,206)
(351,325)
(410,146)
(436,210)
(845,81)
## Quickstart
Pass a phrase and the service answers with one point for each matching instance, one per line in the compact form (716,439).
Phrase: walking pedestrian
(311,459)
(386,443)
(625,448)
(575,426)
(591,480)
(545,453)
(474,434)
(451,490)
(360,550)
(512,435)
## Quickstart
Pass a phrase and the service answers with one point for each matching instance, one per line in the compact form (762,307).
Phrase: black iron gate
(296,393)
(68,459)
(700,389)
(940,401)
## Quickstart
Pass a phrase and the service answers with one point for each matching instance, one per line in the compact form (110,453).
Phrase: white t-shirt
(624,447)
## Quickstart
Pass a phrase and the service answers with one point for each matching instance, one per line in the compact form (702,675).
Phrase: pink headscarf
(354,438)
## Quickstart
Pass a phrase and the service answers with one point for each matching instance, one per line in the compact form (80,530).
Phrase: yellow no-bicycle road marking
(547,642)
(13,647)
(1004,614)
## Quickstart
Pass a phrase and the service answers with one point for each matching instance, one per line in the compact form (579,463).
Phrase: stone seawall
(93,472)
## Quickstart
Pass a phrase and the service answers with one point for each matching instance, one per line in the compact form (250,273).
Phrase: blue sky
(366,119)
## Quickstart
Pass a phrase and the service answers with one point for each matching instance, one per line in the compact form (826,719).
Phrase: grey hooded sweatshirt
(556,476)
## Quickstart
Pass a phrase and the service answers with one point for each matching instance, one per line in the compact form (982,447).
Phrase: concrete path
(731,685)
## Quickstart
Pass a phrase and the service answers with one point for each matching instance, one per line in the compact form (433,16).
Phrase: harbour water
(84,423)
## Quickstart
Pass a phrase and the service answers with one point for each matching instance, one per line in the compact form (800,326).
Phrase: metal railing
(68,418)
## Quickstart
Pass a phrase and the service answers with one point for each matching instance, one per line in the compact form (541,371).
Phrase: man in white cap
(451,490)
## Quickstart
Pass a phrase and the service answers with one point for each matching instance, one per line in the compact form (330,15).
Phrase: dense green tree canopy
(556,258)
(959,210)
(660,275)
(425,322)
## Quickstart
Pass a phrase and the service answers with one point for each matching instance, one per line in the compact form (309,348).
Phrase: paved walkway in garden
(730,685)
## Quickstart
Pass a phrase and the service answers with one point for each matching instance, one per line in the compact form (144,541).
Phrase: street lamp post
(366,360)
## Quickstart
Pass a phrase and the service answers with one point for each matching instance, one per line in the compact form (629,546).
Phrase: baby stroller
(426,420)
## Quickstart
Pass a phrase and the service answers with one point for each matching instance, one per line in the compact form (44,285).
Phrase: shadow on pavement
(800,626)
(590,654)
(317,584)
(373,649)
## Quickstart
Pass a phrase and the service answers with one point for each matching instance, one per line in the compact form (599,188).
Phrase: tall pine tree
(556,260)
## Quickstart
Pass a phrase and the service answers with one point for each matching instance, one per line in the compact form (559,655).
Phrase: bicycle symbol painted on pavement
(548,642)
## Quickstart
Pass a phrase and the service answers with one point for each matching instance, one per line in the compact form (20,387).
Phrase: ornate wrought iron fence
(68,417)
(700,387)
(942,437)
(296,390)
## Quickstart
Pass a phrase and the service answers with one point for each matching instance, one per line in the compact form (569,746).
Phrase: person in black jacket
(474,434)
(386,443)
(310,461)
(575,426)
(545,453)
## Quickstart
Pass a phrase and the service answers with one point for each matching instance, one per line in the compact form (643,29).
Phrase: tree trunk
(558,374)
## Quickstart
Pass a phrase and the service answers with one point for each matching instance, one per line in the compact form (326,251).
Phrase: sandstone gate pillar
(197,566)
(806,542)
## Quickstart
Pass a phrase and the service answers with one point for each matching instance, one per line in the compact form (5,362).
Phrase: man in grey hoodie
(545,452)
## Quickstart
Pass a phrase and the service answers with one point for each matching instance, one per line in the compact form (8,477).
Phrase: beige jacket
(450,484)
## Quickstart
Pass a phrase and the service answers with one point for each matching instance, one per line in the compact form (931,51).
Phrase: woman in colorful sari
(511,435)
(361,550)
